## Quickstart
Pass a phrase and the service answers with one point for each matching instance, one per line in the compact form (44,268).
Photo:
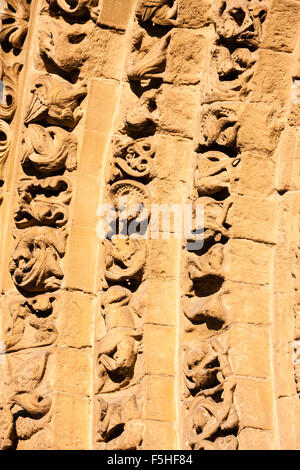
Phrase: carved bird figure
(55,101)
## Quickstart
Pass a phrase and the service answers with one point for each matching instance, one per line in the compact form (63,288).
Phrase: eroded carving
(212,420)
(26,408)
(152,63)
(124,259)
(215,171)
(217,124)
(162,12)
(120,426)
(240,21)
(73,7)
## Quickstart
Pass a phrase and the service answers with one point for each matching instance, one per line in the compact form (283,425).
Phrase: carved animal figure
(22,394)
(55,101)
(161,12)
(49,149)
(240,21)
(216,125)
(118,349)
(63,45)
(124,258)
(120,426)
(212,418)
(214,172)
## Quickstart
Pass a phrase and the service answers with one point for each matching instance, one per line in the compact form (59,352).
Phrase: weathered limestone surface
(138,343)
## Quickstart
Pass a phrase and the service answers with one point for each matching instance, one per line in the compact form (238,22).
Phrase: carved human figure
(119,347)
(55,101)
(35,265)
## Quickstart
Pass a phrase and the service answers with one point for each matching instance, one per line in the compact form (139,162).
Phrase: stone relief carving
(118,350)
(212,419)
(215,172)
(132,158)
(35,265)
(63,46)
(124,259)
(26,408)
(55,101)
(120,426)
(217,124)
(31,323)
(209,386)
(161,12)
(9,75)
(15,18)
(150,64)
(5,144)
(240,21)
(43,202)
(49,149)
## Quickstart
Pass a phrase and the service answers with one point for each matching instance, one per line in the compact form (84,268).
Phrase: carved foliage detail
(15,18)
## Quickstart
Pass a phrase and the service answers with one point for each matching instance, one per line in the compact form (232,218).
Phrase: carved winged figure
(49,149)
(153,63)
(162,12)
(55,101)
